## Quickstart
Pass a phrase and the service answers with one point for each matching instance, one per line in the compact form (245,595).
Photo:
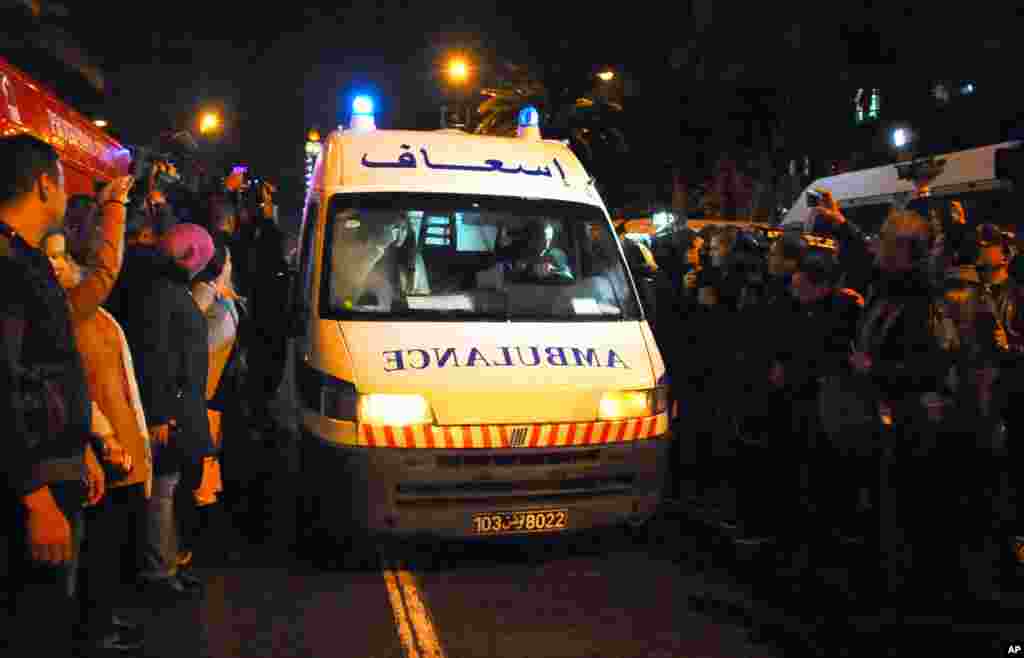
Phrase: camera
(813,199)
(144,162)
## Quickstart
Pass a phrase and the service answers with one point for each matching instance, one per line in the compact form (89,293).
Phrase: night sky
(277,69)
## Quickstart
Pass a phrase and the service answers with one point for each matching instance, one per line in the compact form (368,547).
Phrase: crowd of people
(126,363)
(856,390)
(867,392)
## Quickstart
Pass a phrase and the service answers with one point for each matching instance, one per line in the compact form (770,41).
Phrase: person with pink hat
(169,341)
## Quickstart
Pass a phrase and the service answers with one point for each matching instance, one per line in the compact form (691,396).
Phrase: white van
(471,355)
(865,196)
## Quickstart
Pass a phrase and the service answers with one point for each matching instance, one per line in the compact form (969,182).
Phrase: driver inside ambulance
(537,257)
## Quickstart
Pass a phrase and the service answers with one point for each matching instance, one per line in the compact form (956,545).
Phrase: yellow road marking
(398,608)
(411,611)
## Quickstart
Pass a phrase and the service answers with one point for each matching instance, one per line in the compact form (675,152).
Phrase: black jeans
(42,610)
(110,555)
(267,354)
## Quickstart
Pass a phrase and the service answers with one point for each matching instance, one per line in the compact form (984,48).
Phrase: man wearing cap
(171,351)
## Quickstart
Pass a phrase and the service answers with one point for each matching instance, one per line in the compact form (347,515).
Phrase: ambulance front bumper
(441,492)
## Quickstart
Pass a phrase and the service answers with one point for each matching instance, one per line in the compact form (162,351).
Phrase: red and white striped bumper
(501,436)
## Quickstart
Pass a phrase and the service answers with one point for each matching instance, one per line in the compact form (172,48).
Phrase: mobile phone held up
(813,200)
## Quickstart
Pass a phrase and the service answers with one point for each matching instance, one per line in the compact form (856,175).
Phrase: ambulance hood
(501,372)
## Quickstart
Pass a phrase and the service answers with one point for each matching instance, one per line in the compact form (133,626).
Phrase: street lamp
(606,76)
(458,73)
(458,70)
(900,137)
(209,123)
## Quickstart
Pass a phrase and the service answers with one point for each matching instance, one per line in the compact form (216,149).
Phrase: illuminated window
(875,106)
(867,106)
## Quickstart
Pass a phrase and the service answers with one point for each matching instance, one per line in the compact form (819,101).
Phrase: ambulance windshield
(445,256)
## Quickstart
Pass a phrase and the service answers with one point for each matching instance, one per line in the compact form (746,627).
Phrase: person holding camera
(269,277)
(826,218)
(149,218)
(114,524)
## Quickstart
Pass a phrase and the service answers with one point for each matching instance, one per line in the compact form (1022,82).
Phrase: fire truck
(89,155)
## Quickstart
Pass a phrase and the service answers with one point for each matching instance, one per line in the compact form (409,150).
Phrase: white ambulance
(971,176)
(471,355)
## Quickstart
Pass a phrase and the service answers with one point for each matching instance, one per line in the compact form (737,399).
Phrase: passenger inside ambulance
(503,262)
(376,263)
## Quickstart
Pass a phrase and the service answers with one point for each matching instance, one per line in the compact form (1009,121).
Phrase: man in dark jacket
(763,498)
(900,362)
(267,340)
(169,340)
(147,224)
(44,403)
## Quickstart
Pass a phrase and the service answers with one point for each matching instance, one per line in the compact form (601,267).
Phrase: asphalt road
(605,594)
(678,589)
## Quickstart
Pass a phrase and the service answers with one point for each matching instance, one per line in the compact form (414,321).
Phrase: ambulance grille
(562,458)
(412,493)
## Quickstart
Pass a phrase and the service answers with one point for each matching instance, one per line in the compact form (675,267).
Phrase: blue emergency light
(529,117)
(362,114)
(362,106)
(529,123)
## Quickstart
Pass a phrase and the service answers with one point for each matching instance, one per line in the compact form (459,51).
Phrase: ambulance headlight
(394,410)
(633,404)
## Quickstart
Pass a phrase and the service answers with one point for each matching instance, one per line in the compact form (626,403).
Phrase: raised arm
(94,289)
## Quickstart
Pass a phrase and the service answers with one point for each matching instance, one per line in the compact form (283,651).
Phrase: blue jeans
(160,549)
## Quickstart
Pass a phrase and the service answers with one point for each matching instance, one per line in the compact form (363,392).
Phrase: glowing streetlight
(209,123)
(458,70)
(606,76)
(100,123)
(900,137)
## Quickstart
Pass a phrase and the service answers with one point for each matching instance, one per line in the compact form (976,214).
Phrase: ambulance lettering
(474,357)
(407,160)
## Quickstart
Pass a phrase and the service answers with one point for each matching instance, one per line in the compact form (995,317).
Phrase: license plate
(507,523)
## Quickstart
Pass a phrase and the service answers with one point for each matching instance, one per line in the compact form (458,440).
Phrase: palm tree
(589,122)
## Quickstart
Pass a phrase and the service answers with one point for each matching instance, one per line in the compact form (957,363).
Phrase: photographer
(149,219)
(115,523)
(826,218)
(268,275)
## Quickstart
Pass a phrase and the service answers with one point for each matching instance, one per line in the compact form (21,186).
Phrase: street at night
(465,330)
(678,588)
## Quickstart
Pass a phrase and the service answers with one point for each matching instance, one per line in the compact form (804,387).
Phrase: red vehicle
(89,155)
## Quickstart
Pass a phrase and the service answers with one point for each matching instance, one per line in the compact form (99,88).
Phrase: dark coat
(44,401)
(168,337)
(142,263)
